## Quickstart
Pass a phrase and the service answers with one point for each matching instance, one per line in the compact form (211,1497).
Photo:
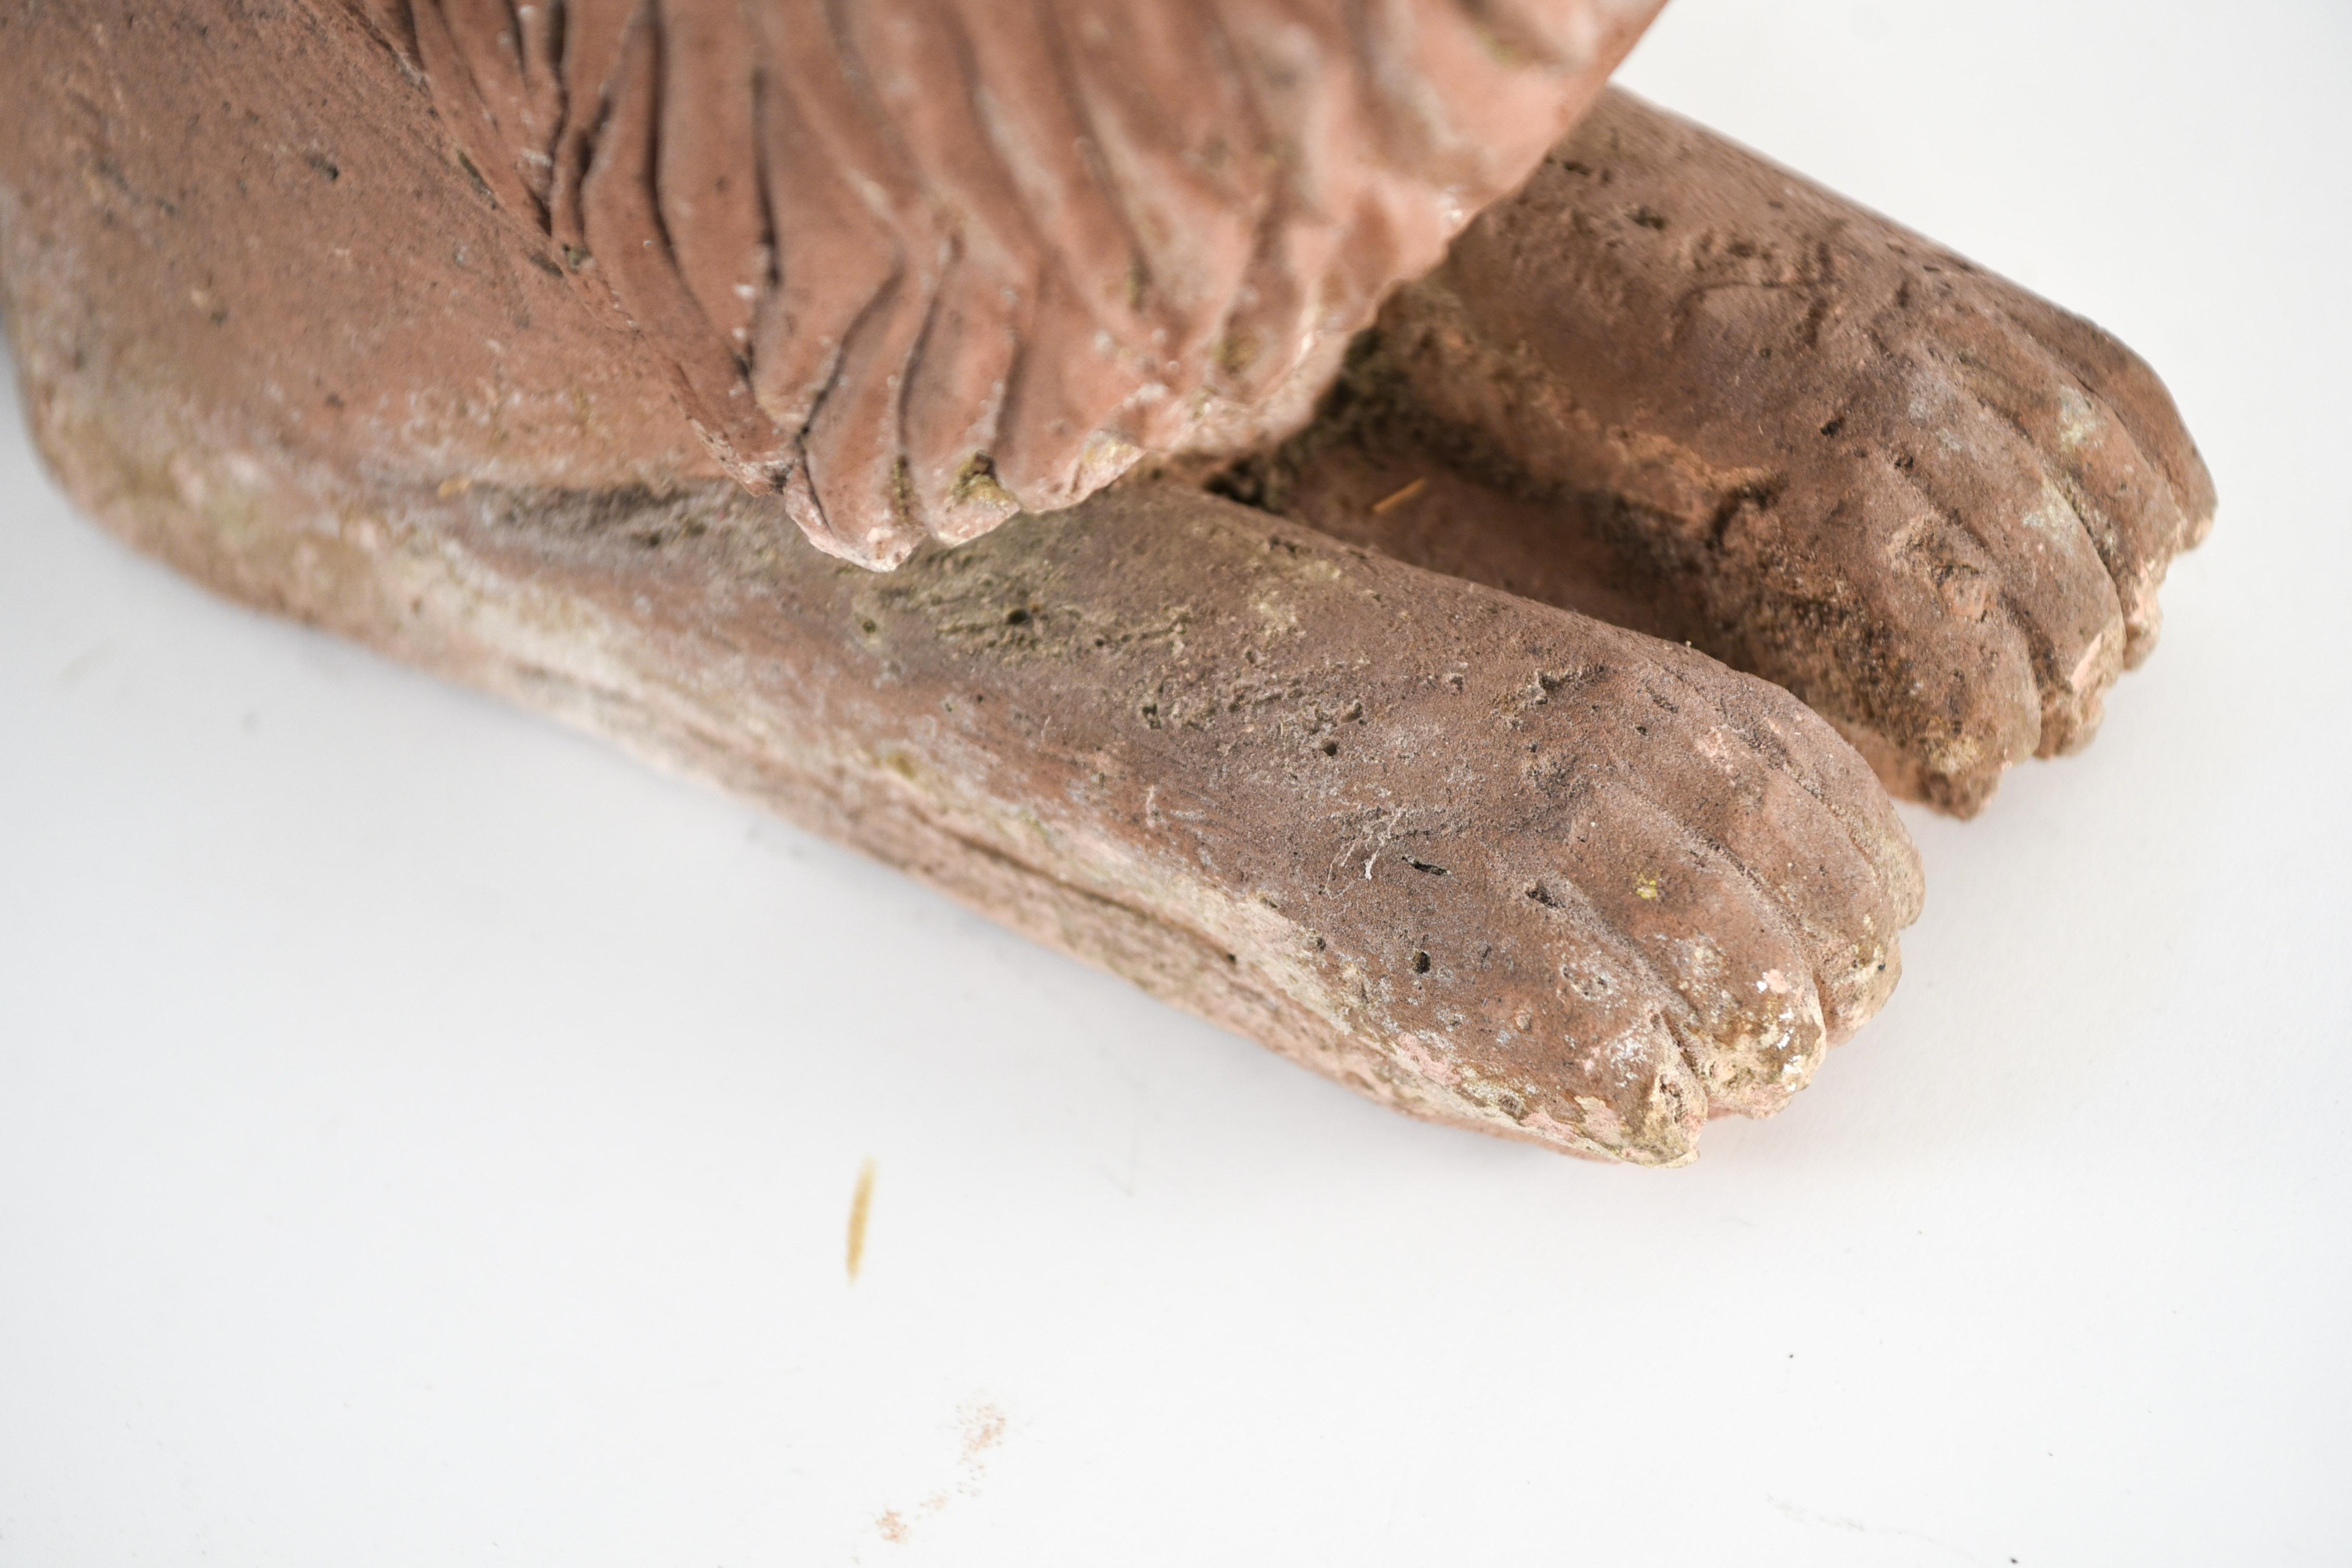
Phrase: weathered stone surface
(1675,384)
(1495,864)
(257,209)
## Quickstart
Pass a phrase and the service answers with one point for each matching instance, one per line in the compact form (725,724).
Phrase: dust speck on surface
(983,1423)
(984,1428)
(860,1203)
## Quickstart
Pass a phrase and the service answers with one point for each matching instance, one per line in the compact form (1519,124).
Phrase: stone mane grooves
(916,265)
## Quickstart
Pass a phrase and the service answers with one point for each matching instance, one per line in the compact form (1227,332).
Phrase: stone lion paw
(1751,414)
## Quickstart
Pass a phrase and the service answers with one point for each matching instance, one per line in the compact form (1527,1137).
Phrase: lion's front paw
(1956,529)
(1671,375)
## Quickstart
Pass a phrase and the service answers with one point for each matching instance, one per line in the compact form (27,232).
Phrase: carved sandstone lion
(1282,475)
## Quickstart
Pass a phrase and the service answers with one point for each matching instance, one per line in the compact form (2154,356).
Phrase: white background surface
(427,1138)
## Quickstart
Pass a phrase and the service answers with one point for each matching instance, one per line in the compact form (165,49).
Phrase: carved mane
(917,264)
